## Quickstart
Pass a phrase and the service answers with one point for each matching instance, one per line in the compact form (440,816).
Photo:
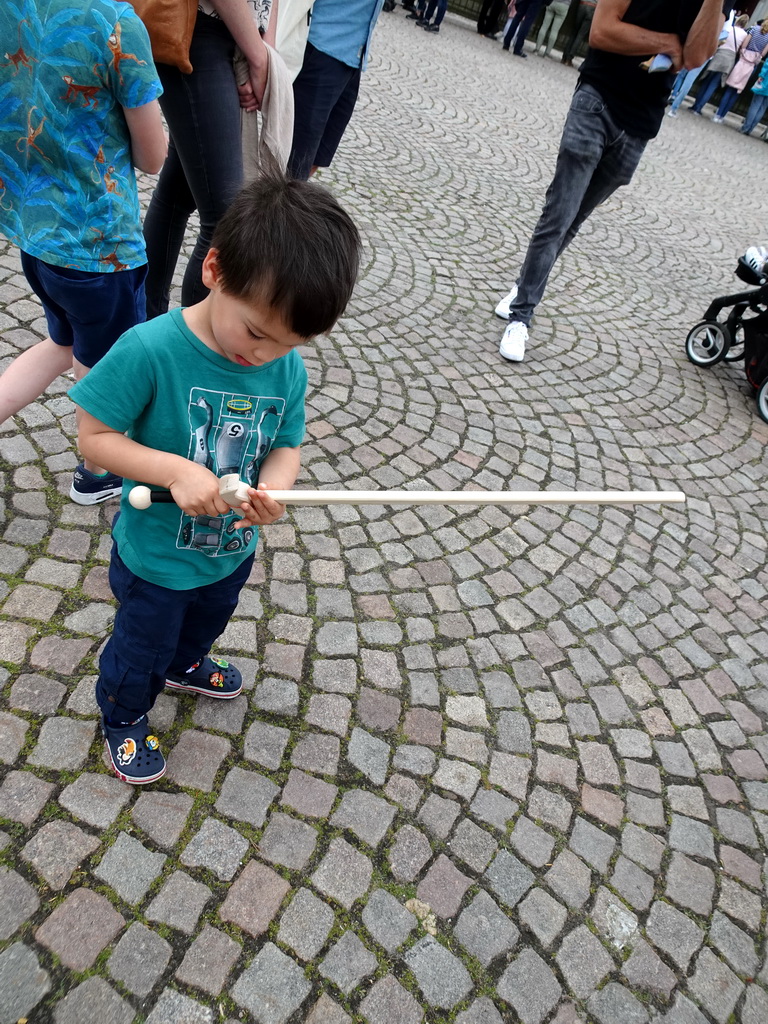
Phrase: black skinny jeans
(204,167)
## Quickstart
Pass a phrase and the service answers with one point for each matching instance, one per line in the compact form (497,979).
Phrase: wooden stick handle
(300,497)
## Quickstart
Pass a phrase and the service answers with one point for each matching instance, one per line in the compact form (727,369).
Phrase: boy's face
(245,331)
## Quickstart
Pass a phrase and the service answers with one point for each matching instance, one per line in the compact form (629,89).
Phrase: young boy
(211,389)
(79,110)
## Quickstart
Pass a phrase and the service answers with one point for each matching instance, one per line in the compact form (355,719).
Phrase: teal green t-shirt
(167,390)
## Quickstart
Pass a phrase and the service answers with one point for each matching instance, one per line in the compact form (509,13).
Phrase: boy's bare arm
(195,489)
(149,143)
(278,472)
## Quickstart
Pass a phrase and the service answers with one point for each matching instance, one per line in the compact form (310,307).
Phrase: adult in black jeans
(488,19)
(584,14)
(204,167)
(526,12)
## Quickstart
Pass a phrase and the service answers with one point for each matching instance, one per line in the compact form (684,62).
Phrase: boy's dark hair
(290,244)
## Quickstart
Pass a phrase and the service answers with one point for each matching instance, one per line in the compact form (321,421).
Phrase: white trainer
(502,310)
(512,345)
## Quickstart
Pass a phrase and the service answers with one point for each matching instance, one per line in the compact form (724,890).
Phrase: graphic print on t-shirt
(229,433)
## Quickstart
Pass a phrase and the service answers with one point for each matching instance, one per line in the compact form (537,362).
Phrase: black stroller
(738,337)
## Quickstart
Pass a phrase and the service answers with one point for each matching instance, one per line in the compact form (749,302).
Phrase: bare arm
(702,39)
(195,489)
(149,144)
(278,472)
(237,16)
(611,33)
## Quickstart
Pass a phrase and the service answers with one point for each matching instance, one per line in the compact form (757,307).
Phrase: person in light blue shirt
(325,90)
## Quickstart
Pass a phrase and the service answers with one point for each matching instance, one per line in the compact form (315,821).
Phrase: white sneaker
(502,310)
(512,345)
(717,120)
(671,113)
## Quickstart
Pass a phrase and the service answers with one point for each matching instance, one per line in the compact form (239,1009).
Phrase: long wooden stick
(299,497)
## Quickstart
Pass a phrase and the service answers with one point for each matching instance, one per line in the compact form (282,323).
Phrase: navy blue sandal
(214,677)
(134,752)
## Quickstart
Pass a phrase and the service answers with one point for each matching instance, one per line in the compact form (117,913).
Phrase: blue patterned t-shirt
(67,184)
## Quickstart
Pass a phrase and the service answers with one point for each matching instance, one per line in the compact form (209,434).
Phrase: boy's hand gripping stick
(231,488)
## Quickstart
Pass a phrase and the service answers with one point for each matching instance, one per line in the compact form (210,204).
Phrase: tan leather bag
(170,24)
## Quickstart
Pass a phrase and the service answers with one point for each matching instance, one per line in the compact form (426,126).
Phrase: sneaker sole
(131,780)
(94,499)
(202,690)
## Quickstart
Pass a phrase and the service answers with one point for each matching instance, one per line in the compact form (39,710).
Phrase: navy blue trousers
(157,632)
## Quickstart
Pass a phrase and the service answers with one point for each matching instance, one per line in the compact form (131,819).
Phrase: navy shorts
(324,93)
(87,311)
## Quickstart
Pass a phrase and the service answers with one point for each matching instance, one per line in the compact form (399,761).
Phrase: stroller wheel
(707,343)
(762,400)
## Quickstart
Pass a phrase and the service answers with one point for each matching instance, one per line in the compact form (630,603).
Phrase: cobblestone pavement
(491,766)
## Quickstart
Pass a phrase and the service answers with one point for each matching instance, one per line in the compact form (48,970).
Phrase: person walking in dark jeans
(584,14)
(526,12)
(488,19)
(441,6)
(616,109)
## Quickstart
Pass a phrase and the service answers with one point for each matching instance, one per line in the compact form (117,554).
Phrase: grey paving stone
(591,843)
(79,928)
(161,815)
(438,815)
(305,924)
(287,841)
(23,796)
(690,884)
(692,837)
(309,796)
(96,799)
(175,1008)
(631,882)
(36,693)
(179,903)
(531,842)
(442,978)
(13,731)
(473,845)
(755,1006)
(317,753)
(348,962)
(365,814)
(94,999)
(272,988)
(129,868)
(482,1011)
(415,760)
(443,887)
(265,744)
(509,878)
(642,847)
(645,971)
(246,796)
(327,1011)
(217,847)
(544,916)
(614,920)
(403,791)
(615,1003)
(278,696)
(387,920)
(139,959)
(734,944)
(221,715)
(18,901)
(388,1001)
(196,759)
(583,961)
(715,986)
(23,982)
(208,961)
(369,755)
(409,853)
(530,987)
(344,874)
(570,879)
(673,933)
(63,743)
(485,931)
(254,898)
